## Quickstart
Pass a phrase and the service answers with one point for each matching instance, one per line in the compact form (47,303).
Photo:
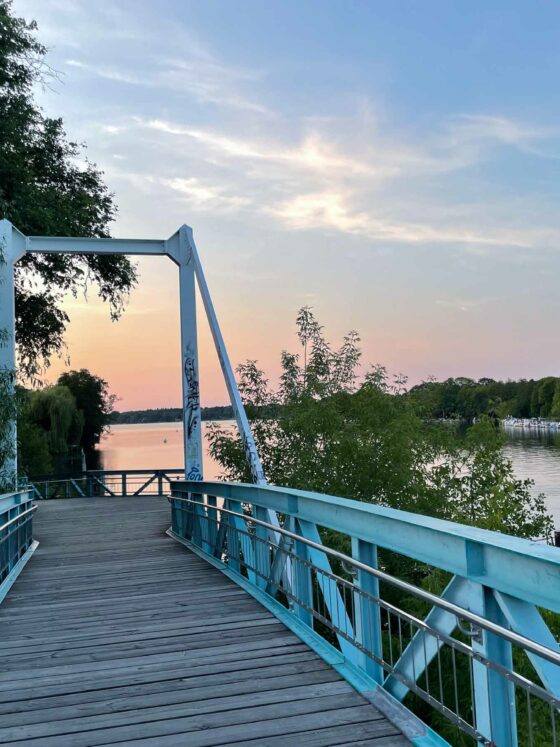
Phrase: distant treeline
(169,415)
(467,399)
(459,398)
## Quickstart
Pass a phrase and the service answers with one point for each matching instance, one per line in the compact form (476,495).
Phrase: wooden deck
(115,634)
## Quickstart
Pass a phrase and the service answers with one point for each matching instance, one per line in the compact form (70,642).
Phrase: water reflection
(150,446)
(536,455)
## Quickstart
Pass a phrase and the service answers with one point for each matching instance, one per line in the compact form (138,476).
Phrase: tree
(366,440)
(50,426)
(93,400)
(47,187)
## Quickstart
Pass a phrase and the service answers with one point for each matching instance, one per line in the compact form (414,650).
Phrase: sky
(394,165)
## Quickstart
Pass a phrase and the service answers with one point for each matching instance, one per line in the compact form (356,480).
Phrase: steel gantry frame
(181,249)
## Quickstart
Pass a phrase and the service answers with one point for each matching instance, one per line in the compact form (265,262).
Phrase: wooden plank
(154,708)
(197,729)
(9,680)
(152,672)
(354,735)
(148,626)
(123,636)
(178,690)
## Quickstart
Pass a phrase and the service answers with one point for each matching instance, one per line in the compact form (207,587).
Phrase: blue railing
(16,536)
(477,659)
(96,483)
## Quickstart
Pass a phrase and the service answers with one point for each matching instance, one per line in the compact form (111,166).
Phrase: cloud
(107,73)
(485,130)
(206,196)
(314,154)
(332,211)
(198,74)
(465,305)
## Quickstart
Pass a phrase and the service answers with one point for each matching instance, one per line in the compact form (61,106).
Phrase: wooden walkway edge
(115,634)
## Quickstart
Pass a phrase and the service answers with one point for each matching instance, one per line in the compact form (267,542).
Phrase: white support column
(192,431)
(8,256)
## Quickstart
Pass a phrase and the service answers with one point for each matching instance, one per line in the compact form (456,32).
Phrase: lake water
(160,446)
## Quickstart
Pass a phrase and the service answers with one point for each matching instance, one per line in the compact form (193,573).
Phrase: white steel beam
(192,426)
(69,245)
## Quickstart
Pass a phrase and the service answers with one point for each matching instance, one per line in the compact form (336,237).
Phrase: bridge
(151,607)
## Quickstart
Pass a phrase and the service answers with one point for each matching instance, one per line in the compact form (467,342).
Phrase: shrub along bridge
(160,609)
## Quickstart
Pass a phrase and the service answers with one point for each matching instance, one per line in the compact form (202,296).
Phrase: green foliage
(93,400)
(49,426)
(48,187)
(370,441)
(34,456)
(466,399)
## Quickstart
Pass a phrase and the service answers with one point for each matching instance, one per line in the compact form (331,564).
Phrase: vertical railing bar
(454,664)
(529,719)
(413,658)
(426,676)
(473,700)
(390,636)
(440,675)
(490,709)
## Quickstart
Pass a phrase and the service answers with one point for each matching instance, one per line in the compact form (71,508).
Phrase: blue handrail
(16,536)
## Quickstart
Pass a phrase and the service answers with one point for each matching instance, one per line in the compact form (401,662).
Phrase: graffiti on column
(194,473)
(192,412)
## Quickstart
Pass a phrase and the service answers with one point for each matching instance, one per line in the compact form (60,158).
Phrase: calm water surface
(160,446)
(151,446)
(536,455)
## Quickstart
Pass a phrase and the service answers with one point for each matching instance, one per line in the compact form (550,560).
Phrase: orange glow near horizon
(139,355)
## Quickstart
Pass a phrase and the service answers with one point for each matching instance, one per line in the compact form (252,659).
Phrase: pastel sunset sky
(395,165)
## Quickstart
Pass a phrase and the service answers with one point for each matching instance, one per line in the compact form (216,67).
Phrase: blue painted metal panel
(495,713)
(526,619)
(423,647)
(331,595)
(368,618)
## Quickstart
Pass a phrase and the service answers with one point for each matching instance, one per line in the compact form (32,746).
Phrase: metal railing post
(302,583)
(367,621)
(123,485)
(262,551)
(494,696)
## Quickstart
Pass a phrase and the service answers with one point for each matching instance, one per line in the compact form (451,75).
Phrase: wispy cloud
(484,130)
(206,196)
(200,75)
(332,211)
(314,154)
(102,71)
(465,305)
